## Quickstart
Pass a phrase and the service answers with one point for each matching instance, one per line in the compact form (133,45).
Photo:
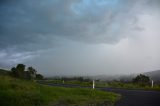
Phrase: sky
(81,37)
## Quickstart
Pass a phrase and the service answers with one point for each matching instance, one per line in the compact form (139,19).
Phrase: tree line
(20,72)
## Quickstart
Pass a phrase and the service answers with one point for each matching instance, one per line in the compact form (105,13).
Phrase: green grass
(76,82)
(113,84)
(16,92)
(132,86)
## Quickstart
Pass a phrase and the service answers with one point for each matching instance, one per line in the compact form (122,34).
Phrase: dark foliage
(30,74)
(141,79)
(39,76)
(81,79)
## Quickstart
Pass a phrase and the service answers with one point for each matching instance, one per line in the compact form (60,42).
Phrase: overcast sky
(81,37)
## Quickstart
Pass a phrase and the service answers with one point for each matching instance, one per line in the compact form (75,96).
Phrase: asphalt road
(129,97)
(136,97)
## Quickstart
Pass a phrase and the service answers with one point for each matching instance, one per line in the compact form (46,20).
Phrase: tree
(32,72)
(14,72)
(20,70)
(39,76)
(141,79)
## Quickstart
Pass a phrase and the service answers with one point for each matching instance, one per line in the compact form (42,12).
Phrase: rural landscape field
(79,53)
(28,88)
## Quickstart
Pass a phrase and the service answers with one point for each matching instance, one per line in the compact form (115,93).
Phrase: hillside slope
(4,72)
(155,75)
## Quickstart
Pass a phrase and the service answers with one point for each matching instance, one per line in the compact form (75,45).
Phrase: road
(129,97)
(136,97)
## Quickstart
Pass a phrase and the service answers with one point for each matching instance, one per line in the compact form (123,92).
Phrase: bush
(141,80)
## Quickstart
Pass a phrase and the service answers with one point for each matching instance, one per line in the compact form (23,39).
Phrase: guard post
(93,84)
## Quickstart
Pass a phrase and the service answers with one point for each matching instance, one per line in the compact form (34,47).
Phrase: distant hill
(155,75)
(4,72)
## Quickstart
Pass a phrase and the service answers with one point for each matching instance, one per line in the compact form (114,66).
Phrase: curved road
(136,97)
(129,97)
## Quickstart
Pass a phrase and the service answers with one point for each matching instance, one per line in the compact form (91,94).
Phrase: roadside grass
(74,82)
(130,85)
(17,92)
(112,84)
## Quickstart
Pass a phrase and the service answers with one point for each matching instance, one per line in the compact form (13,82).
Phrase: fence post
(93,84)
(152,83)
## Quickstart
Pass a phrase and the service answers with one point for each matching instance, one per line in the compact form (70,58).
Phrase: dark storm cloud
(77,34)
(36,23)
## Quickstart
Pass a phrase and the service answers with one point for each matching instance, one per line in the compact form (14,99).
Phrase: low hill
(4,72)
(155,75)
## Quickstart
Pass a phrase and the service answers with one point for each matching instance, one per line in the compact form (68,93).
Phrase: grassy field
(112,84)
(68,82)
(132,86)
(75,82)
(16,92)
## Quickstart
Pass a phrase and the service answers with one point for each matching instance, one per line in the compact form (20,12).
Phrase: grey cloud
(38,22)
(12,56)
(66,36)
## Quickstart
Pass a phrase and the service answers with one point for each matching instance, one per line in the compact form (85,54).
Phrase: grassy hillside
(4,72)
(16,92)
(154,75)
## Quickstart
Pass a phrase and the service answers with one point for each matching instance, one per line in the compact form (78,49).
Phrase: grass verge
(16,92)
(132,86)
